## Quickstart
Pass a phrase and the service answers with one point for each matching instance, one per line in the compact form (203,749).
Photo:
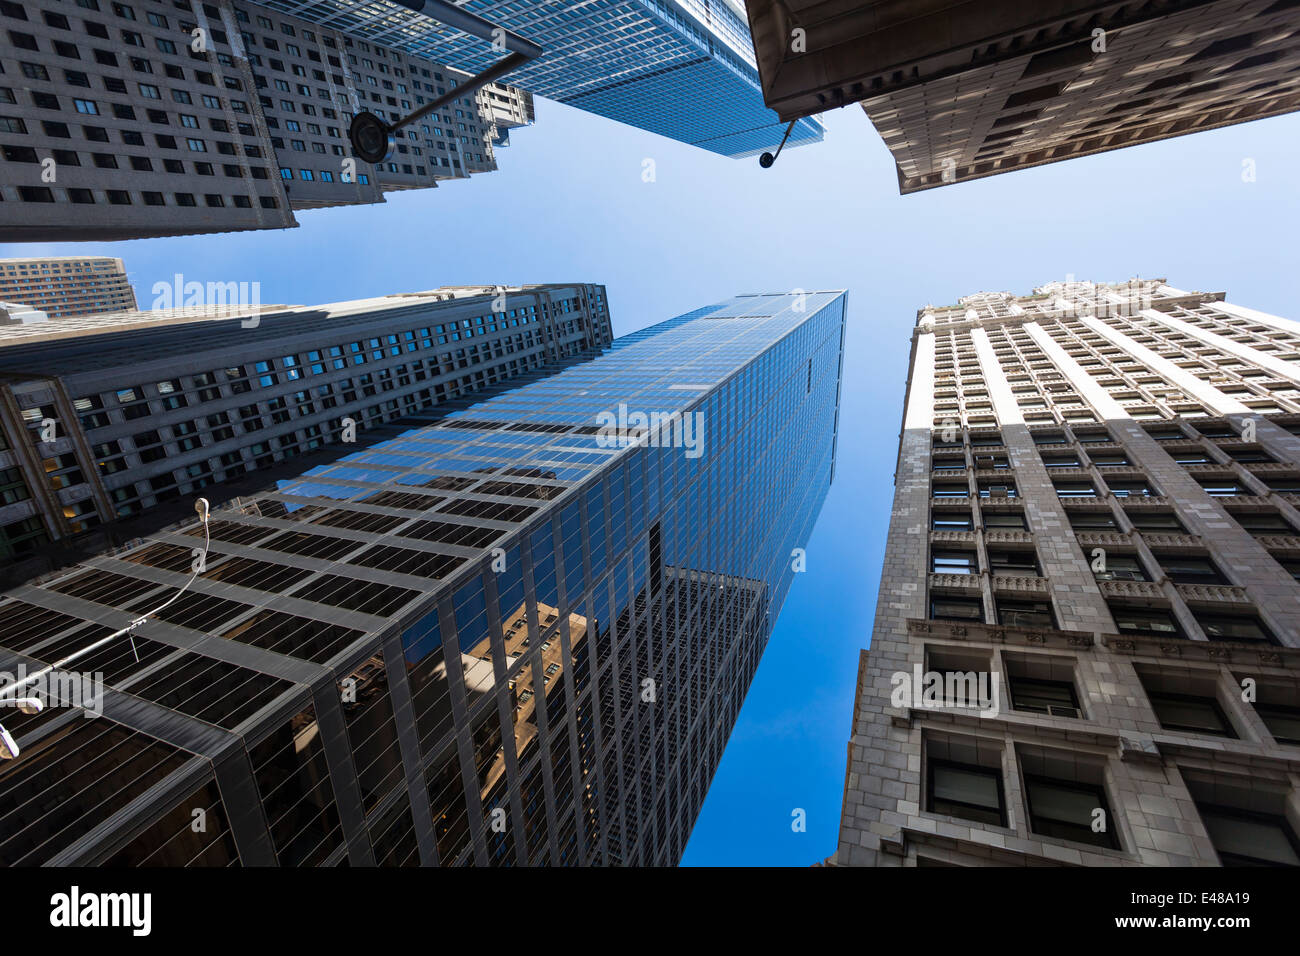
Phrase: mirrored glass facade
(684,69)
(513,629)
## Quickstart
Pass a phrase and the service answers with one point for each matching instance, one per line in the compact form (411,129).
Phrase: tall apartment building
(150,118)
(67,286)
(108,416)
(1086,648)
(681,68)
(514,630)
(962,89)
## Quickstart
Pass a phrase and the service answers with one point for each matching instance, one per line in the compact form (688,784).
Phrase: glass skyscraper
(517,628)
(684,69)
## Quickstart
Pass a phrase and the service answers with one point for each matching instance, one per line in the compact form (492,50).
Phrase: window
(1049,438)
(1121,567)
(997,489)
(1135,488)
(985,441)
(1250,456)
(1112,459)
(944,608)
(1144,520)
(1190,713)
(1247,838)
(1074,489)
(1092,438)
(1013,562)
(1066,809)
(1055,698)
(965,791)
(950,490)
(1144,620)
(1025,613)
(951,521)
(1264,523)
(1282,721)
(1231,627)
(1221,487)
(953,562)
(1091,520)
(1185,569)
(949,464)
(1004,519)
(1061,461)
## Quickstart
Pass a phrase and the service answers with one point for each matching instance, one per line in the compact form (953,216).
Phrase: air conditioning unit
(1124,575)
(998,491)
(1057,710)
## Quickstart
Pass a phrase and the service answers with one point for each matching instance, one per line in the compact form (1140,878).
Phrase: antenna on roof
(34,705)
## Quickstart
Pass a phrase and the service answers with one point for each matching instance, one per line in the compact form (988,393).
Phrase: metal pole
(373,139)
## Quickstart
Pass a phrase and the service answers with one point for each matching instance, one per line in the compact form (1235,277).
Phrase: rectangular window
(1283,722)
(1144,520)
(1185,569)
(1052,697)
(1151,621)
(965,791)
(953,562)
(1231,627)
(950,521)
(944,608)
(1066,810)
(1025,613)
(1091,520)
(1120,567)
(1004,519)
(1245,838)
(1190,714)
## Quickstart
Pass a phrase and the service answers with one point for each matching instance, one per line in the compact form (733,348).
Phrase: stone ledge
(1218,652)
(1146,590)
(1213,593)
(998,634)
(956,582)
(1023,583)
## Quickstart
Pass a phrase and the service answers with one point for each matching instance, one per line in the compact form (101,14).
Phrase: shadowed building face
(962,89)
(1095,513)
(490,635)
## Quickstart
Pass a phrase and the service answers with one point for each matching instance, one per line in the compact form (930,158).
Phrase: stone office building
(109,416)
(130,120)
(963,89)
(1096,524)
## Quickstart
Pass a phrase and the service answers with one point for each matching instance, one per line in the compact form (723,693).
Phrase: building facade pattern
(963,89)
(64,287)
(1096,511)
(128,120)
(680,68)
(92,432)
(499,632)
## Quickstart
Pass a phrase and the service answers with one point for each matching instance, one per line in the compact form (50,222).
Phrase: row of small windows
(1129,619)
(1067,799)
(122,197)
(1188,702)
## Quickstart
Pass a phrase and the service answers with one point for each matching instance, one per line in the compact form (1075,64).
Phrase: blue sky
(569,205)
